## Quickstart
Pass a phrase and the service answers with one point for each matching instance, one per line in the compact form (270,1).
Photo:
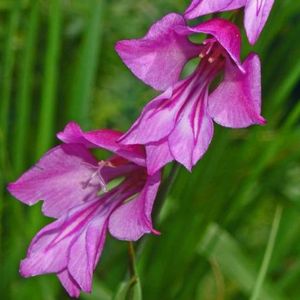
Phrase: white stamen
(97,173)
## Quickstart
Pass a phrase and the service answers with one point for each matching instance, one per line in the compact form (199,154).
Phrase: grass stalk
(7,82)
(5,102)
(86,68)
(22,123)
(46,119)
(268,254)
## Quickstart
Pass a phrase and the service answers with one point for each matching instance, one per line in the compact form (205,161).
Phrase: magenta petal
(44,255)
(203,130)
(236,102)
(133,153)
(105,138)
(158,155)
(256,15)
(158,58)
(71,242)
(132,220)
(182,140)
(69,283)
(225,32)
(72,134)
(59,179)
(199,8)
(193,133)
(85,252)
(155,122)
(159,116)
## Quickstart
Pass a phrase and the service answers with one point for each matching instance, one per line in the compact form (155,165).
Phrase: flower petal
(155,122)
(203,130)
(85,252)
(59,179)
(158,58)
(133,153)
(73,242)
(193,132)
(199,8)
(73,134)
(158,155)
(236,102)
(105,138)
(69,283)
(132,220)
(225,32)
(256,15)
(159,116)
(44,255)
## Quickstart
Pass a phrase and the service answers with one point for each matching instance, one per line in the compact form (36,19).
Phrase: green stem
(132,261)
(268,254)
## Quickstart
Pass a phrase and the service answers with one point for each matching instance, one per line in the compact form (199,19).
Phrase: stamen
(206,49)
(215,55)
(211,49)
(209,41)
(208,45)
(98,174)
(86,184)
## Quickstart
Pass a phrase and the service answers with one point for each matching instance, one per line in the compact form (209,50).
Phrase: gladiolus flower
(178,124)
(82,194)
(256,12)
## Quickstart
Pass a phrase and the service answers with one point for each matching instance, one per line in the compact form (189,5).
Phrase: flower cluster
(89,197)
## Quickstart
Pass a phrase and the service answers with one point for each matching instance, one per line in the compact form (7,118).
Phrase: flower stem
(132,261)
(268,254)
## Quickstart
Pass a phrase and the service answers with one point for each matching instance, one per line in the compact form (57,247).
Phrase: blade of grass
(46,119)
(219,245)
(5,101)
(288,84)
(85,70)
(268,254)
(24,90)
(7,81)
(245,194)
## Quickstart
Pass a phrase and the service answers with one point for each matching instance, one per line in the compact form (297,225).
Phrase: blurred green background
(58,64)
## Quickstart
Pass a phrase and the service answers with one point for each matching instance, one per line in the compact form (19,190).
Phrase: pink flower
(75,189)
(178,124)
(256,12)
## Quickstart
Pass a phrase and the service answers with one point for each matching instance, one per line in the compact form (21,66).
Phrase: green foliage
(58,63)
